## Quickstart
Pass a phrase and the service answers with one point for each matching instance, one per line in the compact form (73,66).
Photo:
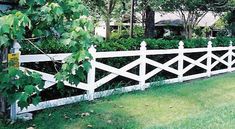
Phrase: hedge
(124,45)
(128,44)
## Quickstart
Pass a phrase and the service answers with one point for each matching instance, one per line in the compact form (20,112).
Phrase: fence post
(209,58)
(142,69)
(91,74)
(230,56)
(16,50)
(181,61)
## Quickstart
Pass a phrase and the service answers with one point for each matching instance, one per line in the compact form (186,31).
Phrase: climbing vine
(34,21)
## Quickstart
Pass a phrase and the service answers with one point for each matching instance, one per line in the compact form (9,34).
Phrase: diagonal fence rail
(142,61)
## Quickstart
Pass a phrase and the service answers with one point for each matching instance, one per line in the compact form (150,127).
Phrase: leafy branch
(64,21)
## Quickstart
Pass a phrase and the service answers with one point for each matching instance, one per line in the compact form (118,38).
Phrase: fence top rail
(43,57)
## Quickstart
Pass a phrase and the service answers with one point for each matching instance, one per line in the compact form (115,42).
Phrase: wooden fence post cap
(231,43)
(181,43)
(143,44)
(16,45)
(210,43)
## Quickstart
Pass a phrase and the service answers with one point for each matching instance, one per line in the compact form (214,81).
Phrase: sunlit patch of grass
(206,103)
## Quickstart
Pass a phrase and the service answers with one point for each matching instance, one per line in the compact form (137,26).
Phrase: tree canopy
(34,21)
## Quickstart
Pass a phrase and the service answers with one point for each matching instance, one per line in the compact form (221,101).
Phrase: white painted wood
(157,70)
(196,76)
(233,62)
(141,78)
(230,56)
(116,71)
(111,76)
(220,48)
(162,52)
(13,108)
(209,58)
(159,65)
(142,70)
(219,71)
(51,79)
(83,97)
(189,67)
(181,61)
(91,74)
(220,59)
(53,103)
(45,76)
(43,57)
(194,50)
(233,69)
(233,54)
(194,62)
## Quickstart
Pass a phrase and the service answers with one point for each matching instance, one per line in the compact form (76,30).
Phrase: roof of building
(172,19)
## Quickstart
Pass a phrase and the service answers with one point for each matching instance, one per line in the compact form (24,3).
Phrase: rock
(65,116)
(109,121)
(89,126)
(30,128)
(121,107)
(85,114)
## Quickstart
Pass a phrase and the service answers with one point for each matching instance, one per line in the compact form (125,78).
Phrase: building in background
(165,23)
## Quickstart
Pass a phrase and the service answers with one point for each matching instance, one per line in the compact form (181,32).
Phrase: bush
(138,32)
(124,44)
(48,46)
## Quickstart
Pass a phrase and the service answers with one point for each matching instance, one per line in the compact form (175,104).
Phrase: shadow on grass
(161,106)
(83,115)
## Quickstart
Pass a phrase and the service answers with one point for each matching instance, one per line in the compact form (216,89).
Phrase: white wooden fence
(142,61)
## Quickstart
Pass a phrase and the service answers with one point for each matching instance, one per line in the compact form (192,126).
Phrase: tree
(192,11)
(33,21)
(228,9)
(149,7)
(232,22)
(230,19)
(105,9)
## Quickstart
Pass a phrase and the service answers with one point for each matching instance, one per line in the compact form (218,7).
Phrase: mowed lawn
(201,104)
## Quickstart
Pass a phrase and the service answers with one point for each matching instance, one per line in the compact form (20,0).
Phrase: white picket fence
(142,61)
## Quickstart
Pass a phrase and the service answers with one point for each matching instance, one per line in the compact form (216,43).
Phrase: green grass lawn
(201,104)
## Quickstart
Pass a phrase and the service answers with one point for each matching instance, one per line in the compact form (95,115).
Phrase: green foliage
(134,43)
(56,25)
(12,26)
(23,86)
(138,32)
(47,46)
(123,44)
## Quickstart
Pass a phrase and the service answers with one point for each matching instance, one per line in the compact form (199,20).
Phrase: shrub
(138,32)
(124,44)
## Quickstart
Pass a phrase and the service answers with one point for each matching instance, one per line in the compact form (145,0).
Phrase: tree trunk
(149,23)
(233,23)
(188,31)
(108,28)
(3,61)
(132,19)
